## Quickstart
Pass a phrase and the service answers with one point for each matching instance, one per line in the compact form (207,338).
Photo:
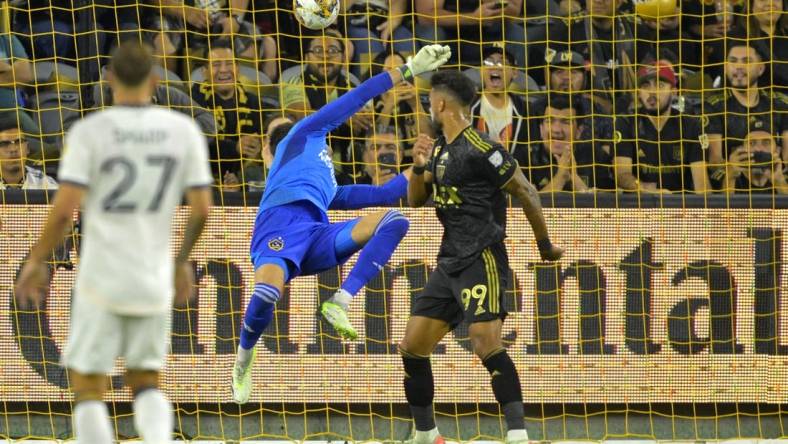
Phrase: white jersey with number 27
(136,163)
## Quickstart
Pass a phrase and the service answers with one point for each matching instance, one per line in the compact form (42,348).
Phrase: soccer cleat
(517,437)
(242,380)
(337,317)
(416,439)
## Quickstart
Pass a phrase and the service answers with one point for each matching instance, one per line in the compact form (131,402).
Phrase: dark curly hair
(455,83)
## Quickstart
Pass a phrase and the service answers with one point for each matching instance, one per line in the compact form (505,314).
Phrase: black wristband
(544,244)
(418,170)
(407,74)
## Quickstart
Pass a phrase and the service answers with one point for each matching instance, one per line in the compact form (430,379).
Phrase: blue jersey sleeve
(354,197)
(338,111)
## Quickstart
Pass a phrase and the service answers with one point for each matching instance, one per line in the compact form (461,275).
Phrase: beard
(12,169)
(331,74)
(435,124)
(657,111)
(749,83)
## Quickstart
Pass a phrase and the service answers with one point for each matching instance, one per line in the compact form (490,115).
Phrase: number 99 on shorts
(478,292)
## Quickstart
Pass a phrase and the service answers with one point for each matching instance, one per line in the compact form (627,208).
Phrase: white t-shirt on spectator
(136,163)
(497,119)
(34,180)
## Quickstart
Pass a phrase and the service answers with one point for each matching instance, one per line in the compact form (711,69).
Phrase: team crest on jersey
(276,243)
(496,159)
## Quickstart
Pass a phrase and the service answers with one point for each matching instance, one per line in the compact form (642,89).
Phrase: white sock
(91,423)
(153,417)
(517,435)
(244,356)
(343,298)
(427,437)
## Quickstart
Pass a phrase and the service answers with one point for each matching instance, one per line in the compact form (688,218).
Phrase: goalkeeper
(292,235)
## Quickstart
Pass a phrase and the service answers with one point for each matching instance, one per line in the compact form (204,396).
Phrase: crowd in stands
(585,94)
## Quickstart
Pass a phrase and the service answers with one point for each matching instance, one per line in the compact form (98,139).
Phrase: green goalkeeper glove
(429,58)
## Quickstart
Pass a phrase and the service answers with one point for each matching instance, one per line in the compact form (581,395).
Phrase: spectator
(709,22)
(655,36)
(372,26)
(47,29)
(606,37)
(743,106)
(14,173)
(497,112)
(193,21)
(558,162)
(767,25)
(15,71)
(382,156)
(141,20)
(322,78)
(756,167)
(567,72)
(169,97)
(662,150)
(400,106)
(237,112)
(472,23)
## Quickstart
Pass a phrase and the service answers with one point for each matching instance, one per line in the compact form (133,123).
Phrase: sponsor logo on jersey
(441,168)
(276,243)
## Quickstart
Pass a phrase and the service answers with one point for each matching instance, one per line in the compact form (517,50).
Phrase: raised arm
(418,189)
(338,111)
(354,197)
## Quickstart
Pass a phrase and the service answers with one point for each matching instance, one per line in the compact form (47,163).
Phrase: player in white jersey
(129,167)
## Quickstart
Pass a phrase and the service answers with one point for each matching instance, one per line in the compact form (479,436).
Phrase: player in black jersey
(467,174)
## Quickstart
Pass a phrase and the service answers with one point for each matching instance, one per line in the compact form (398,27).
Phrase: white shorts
(98,337)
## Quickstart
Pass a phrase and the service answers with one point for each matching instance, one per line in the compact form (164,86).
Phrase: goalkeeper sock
(419,390)
(259,313)
(153,416)
(342,298)
(91,422)
(506,387)
(378,250)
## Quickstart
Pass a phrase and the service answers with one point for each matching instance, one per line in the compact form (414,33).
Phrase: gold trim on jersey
(493,284)
(476,141)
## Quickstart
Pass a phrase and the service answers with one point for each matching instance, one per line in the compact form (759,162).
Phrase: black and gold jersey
(734,121)
(468,175)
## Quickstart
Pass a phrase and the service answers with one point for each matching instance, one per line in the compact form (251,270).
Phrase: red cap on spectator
(659,69)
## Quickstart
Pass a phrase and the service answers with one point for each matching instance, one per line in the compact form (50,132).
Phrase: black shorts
(473,294)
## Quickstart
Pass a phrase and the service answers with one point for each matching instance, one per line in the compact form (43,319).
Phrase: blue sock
(377,252)
(259,313)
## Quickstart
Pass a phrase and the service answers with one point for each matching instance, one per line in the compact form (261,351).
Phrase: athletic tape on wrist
(406,72)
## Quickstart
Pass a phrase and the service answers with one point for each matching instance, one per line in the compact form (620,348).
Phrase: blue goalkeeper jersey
(302,167)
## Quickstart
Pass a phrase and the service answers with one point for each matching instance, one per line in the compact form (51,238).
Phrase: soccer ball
(316,14)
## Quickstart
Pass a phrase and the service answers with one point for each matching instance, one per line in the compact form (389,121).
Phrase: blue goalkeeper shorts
(299,238)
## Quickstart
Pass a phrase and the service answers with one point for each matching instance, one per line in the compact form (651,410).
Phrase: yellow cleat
(337,317)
